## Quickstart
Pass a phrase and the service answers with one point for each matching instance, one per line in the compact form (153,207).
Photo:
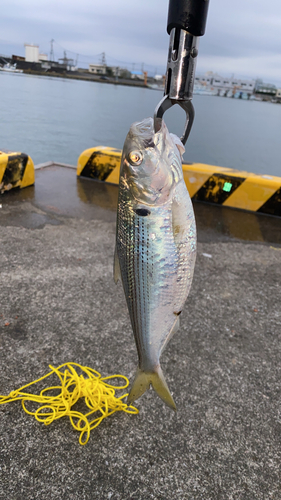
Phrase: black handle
(189,15)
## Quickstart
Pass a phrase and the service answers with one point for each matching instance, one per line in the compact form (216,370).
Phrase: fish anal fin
(156,379)
(116,268)
(173,330)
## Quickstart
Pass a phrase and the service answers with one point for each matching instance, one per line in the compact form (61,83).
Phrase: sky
(242,38)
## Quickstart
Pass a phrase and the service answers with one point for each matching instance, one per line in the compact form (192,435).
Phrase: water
(56,119)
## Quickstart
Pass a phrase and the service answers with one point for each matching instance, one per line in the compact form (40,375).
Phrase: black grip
(189,15)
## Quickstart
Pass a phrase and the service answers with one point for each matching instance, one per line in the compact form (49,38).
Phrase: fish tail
(142,382)
(159,384)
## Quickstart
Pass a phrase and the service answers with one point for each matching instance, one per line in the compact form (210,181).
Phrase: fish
(155,247)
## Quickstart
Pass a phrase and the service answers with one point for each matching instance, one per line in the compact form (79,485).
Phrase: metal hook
(165,104)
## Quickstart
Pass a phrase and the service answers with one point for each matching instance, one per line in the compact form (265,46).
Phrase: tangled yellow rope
(99,397)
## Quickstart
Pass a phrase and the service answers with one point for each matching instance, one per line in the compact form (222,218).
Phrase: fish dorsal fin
(116,268)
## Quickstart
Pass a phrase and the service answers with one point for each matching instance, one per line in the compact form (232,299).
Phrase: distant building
(231,83)
(278,95)
(266,89)
(31,52)
(17,58)
(224,84)
(137,75)
(43,57)
(205,79)
(97,69)
(159,78)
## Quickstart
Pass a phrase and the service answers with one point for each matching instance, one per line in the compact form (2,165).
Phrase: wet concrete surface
(59,304)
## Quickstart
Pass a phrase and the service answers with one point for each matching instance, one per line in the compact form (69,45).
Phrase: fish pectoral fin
(116,268)
(177,222)
(142,382)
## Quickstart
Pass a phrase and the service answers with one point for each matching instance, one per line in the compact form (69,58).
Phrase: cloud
(245,67)
(242,37)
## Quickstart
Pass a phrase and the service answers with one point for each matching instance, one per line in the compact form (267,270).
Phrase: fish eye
(135,157)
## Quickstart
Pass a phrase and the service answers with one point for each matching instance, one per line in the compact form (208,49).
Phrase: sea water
(55,119)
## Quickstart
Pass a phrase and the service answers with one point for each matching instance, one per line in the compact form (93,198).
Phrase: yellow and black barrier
(207,183)
(16,170)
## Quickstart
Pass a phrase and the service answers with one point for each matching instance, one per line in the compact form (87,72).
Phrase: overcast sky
(242,37)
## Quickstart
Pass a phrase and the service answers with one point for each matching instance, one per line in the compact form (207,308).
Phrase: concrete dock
(59,304)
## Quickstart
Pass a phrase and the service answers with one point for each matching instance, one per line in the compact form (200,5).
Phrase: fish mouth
(143,129)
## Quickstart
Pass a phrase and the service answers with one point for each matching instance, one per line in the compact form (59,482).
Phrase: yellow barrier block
(195,180)
(208,183)
(254,191)
(98,163)
(16,170)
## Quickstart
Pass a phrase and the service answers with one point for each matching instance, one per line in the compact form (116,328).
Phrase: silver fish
(155,246)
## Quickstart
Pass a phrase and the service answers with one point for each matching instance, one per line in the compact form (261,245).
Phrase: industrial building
(221,83)
(97,69)
(265,89)
(31,52)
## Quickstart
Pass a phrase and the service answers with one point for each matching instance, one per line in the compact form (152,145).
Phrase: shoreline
(125,82)
(88,78)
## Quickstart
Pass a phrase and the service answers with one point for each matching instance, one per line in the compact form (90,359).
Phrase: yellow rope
(99,397)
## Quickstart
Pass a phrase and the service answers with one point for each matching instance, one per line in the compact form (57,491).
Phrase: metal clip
(183,50)
(167,103)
